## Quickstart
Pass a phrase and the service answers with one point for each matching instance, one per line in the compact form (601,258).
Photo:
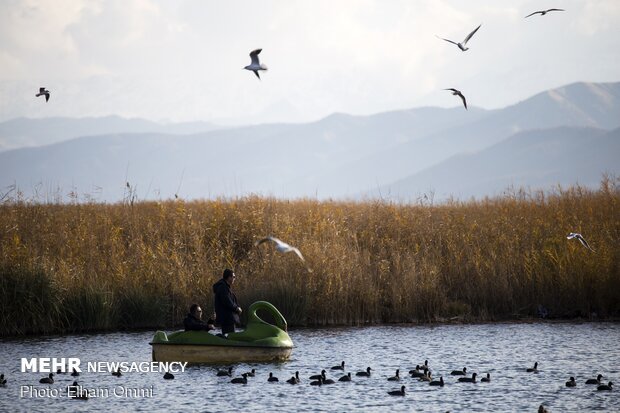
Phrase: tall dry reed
(80,267)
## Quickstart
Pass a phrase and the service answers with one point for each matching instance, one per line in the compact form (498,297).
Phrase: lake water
(504,350)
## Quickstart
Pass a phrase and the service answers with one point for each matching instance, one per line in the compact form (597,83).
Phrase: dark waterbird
(294,379)
(327,381)
(542,12)
(43,92)
(486,379)
(459,372)
(464,43)
(346,377)
(339,367)
(571,382)
(222,373)
(318,376)
(437,382)
(75,373)
(168,376)
(471,379)
(74,390)
(427,376)
(48,380)
(272,378)
(364,373)
(251,373)
(534,369)
(597,380)
(416,372)
(400,392)
(603,387)
(318,382)
(240,380)
(117,373)
(396,377)
(2,380)
(459,94)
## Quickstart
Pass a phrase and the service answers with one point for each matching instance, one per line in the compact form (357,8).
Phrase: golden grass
(79,267)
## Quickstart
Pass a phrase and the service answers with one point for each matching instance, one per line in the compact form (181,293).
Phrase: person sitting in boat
(193,321)
(227,309)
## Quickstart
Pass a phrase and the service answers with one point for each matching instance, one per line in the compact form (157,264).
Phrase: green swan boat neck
(260,341)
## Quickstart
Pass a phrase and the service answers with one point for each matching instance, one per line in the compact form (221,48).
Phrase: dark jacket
(192,323)
(225,304)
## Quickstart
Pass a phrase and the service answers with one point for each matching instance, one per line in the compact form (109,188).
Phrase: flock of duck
(421,372)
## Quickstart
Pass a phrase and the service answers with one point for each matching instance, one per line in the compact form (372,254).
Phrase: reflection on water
(504,350)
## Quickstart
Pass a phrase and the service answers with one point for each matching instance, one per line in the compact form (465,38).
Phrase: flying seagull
(458,93)
(255,66)
(543,12)
(461,45)
(42,92)
(281,246)
(580,238)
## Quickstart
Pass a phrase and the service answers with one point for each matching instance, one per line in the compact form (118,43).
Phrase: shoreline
(610,320)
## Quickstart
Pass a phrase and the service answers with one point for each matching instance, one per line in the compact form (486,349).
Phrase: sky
(172,61)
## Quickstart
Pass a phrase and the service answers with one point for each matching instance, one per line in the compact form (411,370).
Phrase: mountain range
(562,136)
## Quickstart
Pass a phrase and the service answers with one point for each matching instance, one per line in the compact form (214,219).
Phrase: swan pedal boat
(260,341)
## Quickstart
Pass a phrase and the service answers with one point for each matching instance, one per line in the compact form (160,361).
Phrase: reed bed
(91,266)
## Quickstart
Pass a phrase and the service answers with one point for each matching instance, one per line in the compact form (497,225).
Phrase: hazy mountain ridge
(538,159)
(338,156)
(26,132)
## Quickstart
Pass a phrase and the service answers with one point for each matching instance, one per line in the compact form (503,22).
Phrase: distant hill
(539,159)
(578,104)
(338,156)
(25,132)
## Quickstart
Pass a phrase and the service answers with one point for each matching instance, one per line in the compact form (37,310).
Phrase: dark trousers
(229,328)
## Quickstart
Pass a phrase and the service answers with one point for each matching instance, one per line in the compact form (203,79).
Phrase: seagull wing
(263,240)
(449,41)
(454,90)
(571,235)
(531,14)
(41,90)
(296,251)
(47,96)
(463,99)
(555,10)
(256,73)
(583,242)
(469,36)
(254,55)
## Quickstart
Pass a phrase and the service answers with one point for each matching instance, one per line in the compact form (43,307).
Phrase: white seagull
(255,66)
(462,45)
(580,238)
(281,246)
(543,12)
(458,93)
(43,92)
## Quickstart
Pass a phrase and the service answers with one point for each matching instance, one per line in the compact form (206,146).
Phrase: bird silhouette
(43,92)
(462,45)
(459,94)
(580,238)
(542,12)
(281,246)
(255,66)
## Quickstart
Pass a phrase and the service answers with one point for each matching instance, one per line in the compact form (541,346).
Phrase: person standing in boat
(193,321)
(227,309)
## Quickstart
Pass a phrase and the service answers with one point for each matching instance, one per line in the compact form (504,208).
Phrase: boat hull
(260,341)
(218,354)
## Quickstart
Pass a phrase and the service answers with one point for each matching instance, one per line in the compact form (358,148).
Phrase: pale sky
(183,60)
